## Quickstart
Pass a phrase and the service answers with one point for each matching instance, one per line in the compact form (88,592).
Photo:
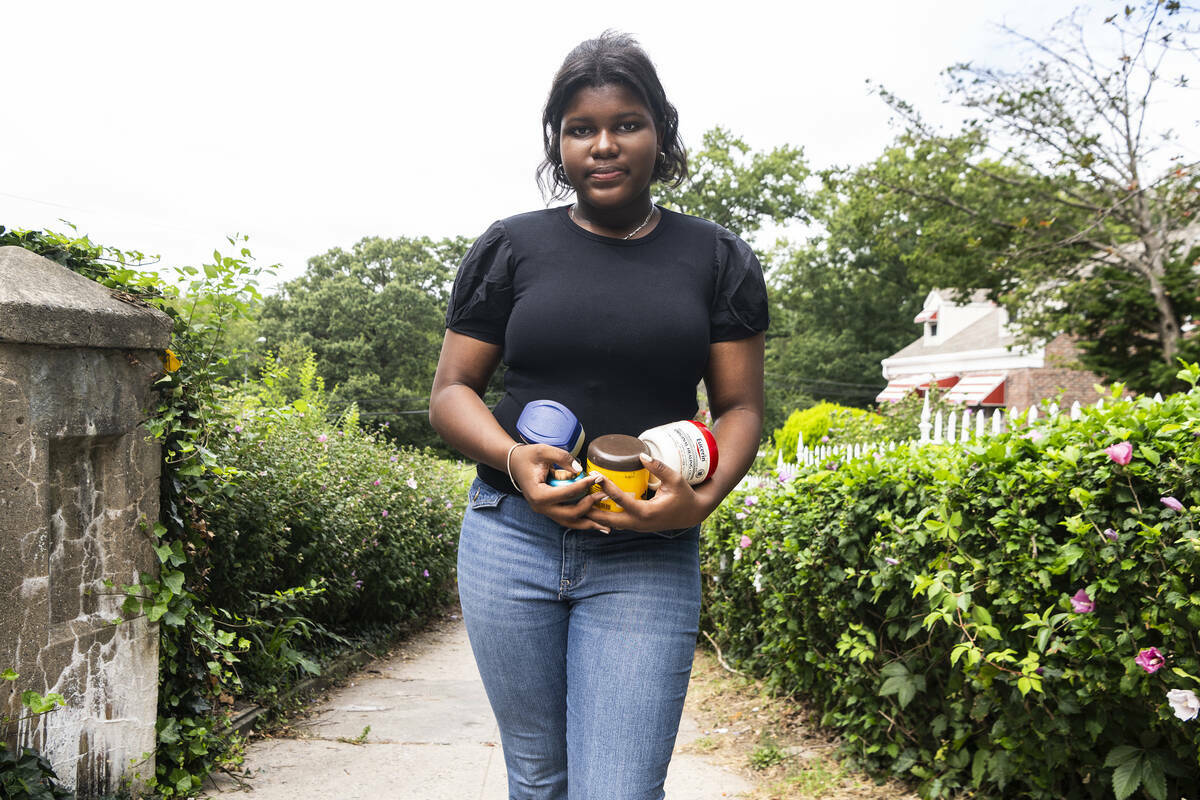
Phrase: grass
(771,742)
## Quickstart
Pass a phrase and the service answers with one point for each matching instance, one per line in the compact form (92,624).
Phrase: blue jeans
(584,642)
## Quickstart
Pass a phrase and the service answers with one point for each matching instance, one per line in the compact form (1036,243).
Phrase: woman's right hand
(530,466)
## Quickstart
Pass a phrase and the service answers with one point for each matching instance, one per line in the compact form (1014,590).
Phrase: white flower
(412,483)
(1184,703)
(737,554)
(758,580)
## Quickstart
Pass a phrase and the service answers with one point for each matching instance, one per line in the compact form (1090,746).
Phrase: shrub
(827,422)
(936,603)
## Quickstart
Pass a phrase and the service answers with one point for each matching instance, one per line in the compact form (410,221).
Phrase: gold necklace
(629,235)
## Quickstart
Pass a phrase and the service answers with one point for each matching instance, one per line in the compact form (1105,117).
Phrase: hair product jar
(615,456)
(548,422)
(687,446)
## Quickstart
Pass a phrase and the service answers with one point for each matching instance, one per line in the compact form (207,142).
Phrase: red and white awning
(980,389)
(926,316)
(898,389)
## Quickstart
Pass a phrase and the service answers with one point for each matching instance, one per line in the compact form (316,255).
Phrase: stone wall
(1062,373)
(78,497)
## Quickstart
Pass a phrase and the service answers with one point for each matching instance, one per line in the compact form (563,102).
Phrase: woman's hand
(531,466)
(675,504)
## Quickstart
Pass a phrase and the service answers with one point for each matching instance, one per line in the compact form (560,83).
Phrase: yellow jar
(615,456)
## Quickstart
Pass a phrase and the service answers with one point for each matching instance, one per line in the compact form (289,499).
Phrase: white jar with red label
(687,447)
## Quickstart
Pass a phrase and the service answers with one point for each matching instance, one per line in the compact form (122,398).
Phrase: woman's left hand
(675,504)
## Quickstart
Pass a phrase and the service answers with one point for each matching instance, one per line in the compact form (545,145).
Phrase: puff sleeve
(482,297)
(739,306)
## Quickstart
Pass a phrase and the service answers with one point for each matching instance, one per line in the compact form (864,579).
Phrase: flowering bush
(1019,616)
(374,526)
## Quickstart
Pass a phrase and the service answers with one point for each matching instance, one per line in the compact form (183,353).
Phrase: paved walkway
(432,737)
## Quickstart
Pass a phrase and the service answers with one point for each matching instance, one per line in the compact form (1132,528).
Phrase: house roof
(982,334)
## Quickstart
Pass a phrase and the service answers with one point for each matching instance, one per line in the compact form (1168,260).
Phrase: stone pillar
(78,499)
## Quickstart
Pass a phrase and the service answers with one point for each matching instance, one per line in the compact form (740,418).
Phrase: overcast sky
(163,126)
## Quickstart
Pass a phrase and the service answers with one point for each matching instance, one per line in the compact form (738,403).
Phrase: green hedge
(376,526)
(923,601)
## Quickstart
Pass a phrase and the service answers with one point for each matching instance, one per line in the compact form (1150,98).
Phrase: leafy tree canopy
(374,317)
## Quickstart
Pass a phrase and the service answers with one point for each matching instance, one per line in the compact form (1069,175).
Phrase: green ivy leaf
(173,581)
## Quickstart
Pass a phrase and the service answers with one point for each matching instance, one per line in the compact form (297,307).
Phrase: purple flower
(385,512)
(426,573)
(892,561)
(1171,503)
(1081,603)
(322,438)
(237,428)
(750,500)
(358,584)
(1121,452)
(740,515)
(745,542)
(393,458)
(824,439)
(1110,534)
(1150,660)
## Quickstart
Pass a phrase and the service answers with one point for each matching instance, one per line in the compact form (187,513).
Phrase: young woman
(583,621)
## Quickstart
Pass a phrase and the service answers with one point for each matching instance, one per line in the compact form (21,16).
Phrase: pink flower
(824,439)
(1150,660)
(1081,603)
(237,428)
(740,515)
(751,500)
(1110,534)
(412,483)
(322,438)
(745,542)
(375,482)
(358,584)
(1171,503)
(892,561)
(1121,452)
(385,512)
(426,573)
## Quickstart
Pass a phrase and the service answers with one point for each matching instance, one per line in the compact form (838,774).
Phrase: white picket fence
(939,428)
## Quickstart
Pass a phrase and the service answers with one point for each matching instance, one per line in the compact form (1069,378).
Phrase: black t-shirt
(616,330)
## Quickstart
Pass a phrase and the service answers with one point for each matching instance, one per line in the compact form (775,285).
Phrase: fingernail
(597,477)
(605,531)
(575,465)
(645,457)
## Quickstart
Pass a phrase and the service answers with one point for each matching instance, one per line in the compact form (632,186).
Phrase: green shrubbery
(970,616)
(375,526)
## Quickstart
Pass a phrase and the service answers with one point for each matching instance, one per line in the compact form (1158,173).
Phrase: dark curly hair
(611,58)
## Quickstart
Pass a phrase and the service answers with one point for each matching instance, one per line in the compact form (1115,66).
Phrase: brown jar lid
(617,452)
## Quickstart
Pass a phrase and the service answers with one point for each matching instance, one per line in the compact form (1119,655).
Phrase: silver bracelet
(508,465)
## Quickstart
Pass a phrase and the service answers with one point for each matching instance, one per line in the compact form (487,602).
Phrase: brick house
(968,350)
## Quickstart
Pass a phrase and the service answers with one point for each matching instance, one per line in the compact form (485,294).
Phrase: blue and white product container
(548,422)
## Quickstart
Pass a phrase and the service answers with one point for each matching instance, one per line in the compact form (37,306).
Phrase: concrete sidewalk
(432,737)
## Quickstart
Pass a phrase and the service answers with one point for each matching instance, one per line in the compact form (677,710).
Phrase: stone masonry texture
(78,499)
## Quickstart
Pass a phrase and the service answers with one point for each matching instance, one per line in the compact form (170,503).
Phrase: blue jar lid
(548,422)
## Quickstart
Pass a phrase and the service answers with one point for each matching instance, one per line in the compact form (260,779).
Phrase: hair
(611,58)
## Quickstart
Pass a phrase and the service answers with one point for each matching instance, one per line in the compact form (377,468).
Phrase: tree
(846,298)
(741,190)
(374,317)
(1089,177)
